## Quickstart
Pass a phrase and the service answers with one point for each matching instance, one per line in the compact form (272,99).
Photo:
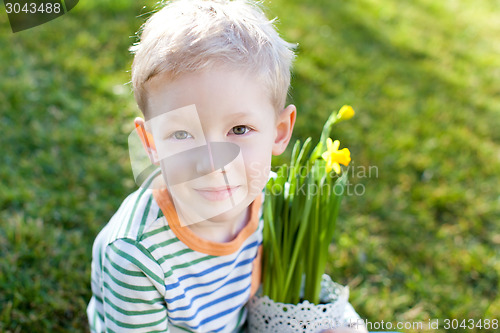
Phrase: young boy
(182,253)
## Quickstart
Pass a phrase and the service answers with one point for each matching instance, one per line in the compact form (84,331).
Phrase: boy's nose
(204,162)
(215,156)
(197,162)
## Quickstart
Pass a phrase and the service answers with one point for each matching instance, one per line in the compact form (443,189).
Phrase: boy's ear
(284,128)
(147,140)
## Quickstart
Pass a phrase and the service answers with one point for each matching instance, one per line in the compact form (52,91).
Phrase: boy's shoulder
(135,216)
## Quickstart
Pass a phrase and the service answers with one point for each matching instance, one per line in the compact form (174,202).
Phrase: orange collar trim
(195,242)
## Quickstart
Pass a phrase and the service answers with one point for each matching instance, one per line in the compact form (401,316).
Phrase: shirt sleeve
(133,289)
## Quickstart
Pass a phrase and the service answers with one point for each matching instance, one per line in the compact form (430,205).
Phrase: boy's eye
(240,129)
(181,135)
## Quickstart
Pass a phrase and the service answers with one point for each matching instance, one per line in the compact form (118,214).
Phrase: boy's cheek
(258,175)
(259,169)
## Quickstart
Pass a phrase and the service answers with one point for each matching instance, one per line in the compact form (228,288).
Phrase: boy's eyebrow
(240,114)
(174,115)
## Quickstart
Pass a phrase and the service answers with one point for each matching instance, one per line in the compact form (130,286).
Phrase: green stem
(300,236)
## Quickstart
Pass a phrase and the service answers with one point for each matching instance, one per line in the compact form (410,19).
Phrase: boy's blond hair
(192,35)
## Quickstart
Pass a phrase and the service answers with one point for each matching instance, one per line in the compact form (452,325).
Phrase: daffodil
(333,156)
(345,112)
(295,252)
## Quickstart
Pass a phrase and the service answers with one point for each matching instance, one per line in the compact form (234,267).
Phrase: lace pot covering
(265,315)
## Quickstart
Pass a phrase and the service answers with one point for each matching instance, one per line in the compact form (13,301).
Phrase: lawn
(419,235)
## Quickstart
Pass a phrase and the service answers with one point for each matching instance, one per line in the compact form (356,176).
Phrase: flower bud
(346,112)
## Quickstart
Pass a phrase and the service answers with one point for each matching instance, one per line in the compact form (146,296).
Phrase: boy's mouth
(217,193)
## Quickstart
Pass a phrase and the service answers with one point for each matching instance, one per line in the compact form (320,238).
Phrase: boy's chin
(234,212)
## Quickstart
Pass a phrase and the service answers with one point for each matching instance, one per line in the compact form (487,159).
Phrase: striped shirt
(150,274)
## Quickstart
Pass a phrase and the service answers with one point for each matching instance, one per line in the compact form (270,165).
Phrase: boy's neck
(221,231)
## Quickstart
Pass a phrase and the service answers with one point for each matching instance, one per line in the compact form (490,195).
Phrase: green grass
(422,242)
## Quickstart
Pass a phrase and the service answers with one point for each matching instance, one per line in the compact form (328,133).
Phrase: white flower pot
(265,315)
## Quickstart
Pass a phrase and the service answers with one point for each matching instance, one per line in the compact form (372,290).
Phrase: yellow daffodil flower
(333,156)
(345,112)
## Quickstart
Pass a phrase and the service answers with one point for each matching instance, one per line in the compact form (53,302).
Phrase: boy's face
(214,134)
